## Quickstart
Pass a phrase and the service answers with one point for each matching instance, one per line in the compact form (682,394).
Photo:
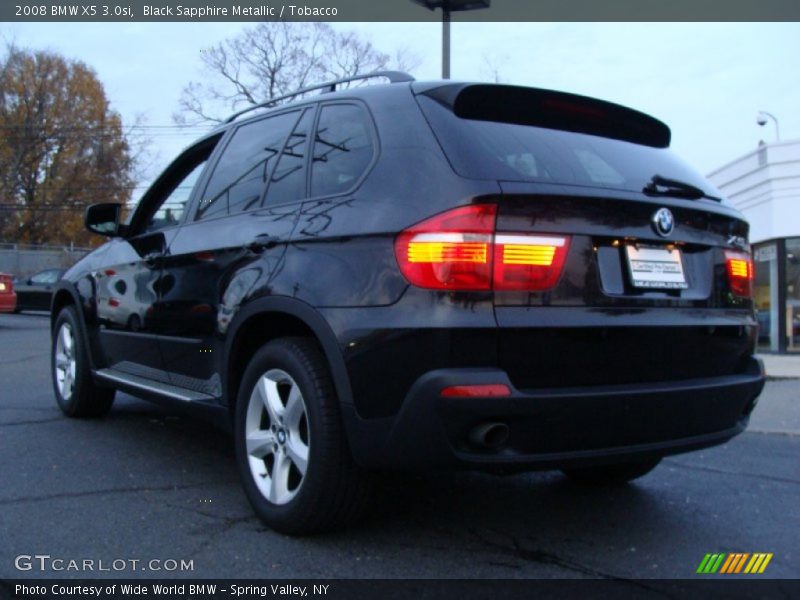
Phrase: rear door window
(240,176)
(288,181)
(46,277)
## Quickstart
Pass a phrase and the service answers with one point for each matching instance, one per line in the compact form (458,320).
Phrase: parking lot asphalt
(144,484)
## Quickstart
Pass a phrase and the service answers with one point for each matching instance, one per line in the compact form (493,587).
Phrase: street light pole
(448,7)
(445,42)
(763,121)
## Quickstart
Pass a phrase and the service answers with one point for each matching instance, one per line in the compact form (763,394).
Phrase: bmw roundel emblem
(663,222)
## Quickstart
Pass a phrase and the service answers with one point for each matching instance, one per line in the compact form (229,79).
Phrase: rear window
(484,146)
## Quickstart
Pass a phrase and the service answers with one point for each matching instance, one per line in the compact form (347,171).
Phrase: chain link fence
(26,259)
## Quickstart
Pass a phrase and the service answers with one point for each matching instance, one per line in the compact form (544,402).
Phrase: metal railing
(26,259)
(326,87)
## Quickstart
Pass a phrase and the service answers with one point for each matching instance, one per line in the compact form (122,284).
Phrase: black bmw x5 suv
(421,276)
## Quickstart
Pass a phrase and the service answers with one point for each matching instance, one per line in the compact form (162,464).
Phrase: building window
(766,295)
(762,155)
(793,294)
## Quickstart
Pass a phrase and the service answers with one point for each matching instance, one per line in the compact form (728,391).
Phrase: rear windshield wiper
(662,186)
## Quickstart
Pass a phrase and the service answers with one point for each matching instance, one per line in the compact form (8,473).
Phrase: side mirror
(103,218)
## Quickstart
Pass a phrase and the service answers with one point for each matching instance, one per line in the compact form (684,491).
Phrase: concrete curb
(782,365)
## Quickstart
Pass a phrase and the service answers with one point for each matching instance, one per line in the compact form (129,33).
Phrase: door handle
(261,242)
(151,257)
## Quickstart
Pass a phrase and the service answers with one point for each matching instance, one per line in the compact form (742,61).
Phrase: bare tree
(272,59)
(491,68)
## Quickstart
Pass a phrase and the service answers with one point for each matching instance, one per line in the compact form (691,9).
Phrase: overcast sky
(706,81)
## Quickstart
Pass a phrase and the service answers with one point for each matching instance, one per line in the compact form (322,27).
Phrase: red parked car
(8,299)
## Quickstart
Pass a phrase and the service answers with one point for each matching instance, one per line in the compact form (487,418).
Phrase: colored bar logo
(735,562)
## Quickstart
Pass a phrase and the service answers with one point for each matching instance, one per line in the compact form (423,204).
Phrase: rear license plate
(653,267)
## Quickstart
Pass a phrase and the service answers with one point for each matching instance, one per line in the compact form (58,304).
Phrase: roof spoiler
(549,109)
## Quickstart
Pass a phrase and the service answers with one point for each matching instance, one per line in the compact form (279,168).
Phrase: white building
(765,186)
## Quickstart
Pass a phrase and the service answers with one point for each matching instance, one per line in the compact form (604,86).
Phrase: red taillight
(492,390)
(457,250)
(740,273)
(528,262)
(451,251)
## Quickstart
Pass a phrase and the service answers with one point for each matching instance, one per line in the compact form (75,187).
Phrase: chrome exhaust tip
(489,435)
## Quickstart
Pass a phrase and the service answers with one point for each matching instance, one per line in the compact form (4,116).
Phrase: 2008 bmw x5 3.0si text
(421,276)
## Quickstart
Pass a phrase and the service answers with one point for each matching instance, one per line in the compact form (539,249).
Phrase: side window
(241,174)
(171,210)
(288,181)
(45,277)
(343,149)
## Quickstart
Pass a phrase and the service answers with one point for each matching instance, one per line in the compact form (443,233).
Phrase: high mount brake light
(458,250)
(740,273)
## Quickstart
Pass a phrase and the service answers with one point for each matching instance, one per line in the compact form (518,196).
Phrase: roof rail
(328,86)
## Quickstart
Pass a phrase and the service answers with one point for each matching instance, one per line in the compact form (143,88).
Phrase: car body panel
(592,347)
(127,294)
(216,270)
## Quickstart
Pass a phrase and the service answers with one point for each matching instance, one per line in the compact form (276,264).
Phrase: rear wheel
(76,392)
(611,474)
(291,450)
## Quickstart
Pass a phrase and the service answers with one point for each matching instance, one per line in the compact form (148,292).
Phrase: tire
(287,412)
(76,392)
(616,474)
(134,323)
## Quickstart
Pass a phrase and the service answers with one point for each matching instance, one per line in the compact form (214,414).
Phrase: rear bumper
(555,428)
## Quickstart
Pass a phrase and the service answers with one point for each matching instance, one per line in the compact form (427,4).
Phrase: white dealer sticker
(652,267)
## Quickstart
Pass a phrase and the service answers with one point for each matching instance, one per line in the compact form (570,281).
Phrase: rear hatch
(645,290)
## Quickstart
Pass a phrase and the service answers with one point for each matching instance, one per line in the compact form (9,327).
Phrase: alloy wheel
(65,363)
(277,436)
